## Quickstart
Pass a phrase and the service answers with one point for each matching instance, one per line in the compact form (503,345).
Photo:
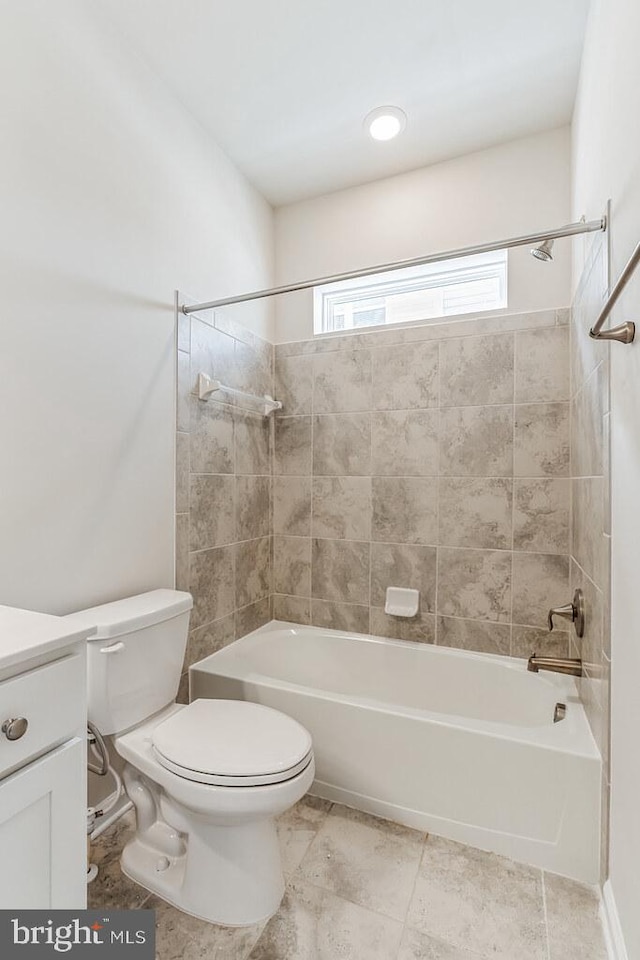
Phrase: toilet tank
(135,657)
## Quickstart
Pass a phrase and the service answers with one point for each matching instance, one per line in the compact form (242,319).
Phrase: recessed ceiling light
(385,123)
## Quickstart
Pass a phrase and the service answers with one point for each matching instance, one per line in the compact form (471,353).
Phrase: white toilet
(207,780)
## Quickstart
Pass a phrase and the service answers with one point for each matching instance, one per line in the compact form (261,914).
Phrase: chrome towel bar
(624,332)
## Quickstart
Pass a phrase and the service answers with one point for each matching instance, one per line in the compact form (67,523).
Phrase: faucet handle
(568,611)
(573,611)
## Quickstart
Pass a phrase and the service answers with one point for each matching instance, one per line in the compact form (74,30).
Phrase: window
(445,289)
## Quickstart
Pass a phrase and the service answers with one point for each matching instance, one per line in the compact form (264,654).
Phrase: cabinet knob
(15,728)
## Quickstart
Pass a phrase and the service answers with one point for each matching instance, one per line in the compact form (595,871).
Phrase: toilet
(207,780)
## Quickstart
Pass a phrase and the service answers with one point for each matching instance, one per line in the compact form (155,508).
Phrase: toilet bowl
(207,779)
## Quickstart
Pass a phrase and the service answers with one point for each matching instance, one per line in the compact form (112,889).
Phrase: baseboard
(611,922)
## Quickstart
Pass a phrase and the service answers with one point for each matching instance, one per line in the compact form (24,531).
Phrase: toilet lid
(232,743)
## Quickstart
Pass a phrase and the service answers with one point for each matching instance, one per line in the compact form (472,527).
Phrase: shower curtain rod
(570,230)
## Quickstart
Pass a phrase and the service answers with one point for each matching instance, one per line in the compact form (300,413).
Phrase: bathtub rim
(572,735)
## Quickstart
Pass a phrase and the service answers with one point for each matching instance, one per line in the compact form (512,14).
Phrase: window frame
(410,280)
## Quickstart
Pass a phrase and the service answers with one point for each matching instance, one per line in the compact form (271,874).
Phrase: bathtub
(459,744)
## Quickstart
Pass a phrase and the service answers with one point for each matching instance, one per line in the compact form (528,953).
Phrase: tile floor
(359,888)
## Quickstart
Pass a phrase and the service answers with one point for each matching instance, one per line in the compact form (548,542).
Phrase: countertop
(25,635)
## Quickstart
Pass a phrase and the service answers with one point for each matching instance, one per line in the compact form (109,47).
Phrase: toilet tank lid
(133,613)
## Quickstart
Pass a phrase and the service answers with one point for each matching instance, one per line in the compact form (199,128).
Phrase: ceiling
(283,85)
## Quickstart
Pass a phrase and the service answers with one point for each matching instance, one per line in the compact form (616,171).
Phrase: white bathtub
(459,744)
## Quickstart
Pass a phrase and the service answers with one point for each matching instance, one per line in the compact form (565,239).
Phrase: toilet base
(228,875)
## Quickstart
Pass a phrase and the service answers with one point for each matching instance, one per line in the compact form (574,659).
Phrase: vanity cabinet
(43,792)
(42,832)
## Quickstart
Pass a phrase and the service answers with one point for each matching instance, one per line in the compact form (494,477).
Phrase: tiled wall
(223,490)
(433,457)
(591,531)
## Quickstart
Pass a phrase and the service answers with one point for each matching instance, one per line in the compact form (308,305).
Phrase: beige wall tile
(253,571)
(592,288)
(476,512)
(182,695)
(209,639)
(405,377)
(474,584)
(183,390)
(589,543)
(540,581)
(292,566)
(182,473)
(405,443)
(342,382)
(528,640)
(404,509)
(476,370)
(253,366)
(403,565)
(419,629)
(541,515)
(253,507)
(184,331)
(292,446)
(182,551)
(606,465)
(474,635)
(294,384)
(252,617)
(364,463)
(542,365)
(541,440)
(342,445)
(252,443)
(340,616)
(591,645)
(212,437)
(212,584)
(293,609)
(213,353)
(340,570)
(292,506)
(476,442)
(587,425)
(341,508)
(212,516)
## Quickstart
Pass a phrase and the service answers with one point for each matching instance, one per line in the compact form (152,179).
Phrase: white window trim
(408,280)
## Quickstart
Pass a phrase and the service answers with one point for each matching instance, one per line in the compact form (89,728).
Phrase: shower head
(544,251)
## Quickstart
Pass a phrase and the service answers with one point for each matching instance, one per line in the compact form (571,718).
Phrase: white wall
(513,189)
(111,198)
(606,163)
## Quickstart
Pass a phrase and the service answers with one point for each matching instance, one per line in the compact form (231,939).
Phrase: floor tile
(480,902)
(112,889)
(573,922)
(297,828)
(369,861)
(313,924)
(182,937)
(420,946)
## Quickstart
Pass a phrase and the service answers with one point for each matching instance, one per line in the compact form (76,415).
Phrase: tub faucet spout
(556,664)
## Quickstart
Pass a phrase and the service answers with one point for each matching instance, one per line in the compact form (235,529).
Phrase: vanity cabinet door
(43,832)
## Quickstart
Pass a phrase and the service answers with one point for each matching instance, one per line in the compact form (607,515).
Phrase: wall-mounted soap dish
(401,602)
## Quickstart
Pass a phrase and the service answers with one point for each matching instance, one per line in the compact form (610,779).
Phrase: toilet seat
(232,743)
